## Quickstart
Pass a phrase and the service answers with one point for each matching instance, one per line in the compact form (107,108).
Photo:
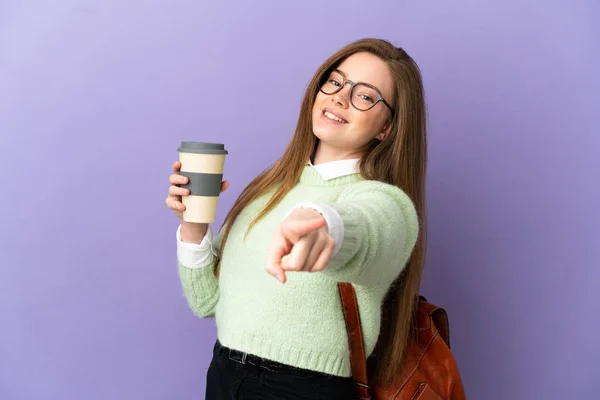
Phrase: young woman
(344,203)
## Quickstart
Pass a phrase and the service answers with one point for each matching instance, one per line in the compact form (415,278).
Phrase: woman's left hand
(304,236)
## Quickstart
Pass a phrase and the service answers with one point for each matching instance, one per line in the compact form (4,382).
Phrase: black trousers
(233,375)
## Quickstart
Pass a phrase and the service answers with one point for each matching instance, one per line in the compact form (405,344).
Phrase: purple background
(96,96)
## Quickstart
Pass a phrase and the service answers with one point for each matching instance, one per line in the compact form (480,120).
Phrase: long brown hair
(400,160)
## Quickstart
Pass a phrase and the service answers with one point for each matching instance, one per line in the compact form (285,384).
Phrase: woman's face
(336,122)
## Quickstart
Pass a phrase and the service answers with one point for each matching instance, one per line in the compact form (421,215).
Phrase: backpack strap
(439,317)
(358,361)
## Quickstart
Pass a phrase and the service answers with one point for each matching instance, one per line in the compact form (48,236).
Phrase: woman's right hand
(173,201)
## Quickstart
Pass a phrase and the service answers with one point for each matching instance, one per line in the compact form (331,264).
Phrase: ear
(385,131)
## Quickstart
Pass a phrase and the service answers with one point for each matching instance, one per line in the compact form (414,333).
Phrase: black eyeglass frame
(352,85)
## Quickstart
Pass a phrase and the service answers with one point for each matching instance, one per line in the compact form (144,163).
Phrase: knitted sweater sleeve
(200,286)
(380,232)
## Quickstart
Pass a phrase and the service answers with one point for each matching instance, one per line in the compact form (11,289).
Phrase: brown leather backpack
(430,373)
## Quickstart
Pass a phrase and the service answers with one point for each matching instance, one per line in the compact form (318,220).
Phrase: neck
(325,153)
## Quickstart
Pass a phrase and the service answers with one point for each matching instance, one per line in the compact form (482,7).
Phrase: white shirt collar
(335,169)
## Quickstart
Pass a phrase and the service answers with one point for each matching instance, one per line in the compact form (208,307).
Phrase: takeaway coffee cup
(202,163)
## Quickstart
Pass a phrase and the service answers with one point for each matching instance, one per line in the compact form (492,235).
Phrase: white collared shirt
(194,255)
(336,169)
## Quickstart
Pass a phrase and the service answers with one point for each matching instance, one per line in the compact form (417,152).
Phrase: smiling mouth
(334,117)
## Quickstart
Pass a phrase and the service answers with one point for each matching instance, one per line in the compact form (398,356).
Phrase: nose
(342,96)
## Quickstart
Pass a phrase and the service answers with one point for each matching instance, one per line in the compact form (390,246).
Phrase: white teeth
(333,117)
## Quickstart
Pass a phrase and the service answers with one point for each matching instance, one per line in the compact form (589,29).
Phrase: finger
(316,250)
(176,179)
(293,230)
(324,257)
(224,186)
(277,272)
(178,191)
(175,204)
(299,254)
(277,250)
(176,166)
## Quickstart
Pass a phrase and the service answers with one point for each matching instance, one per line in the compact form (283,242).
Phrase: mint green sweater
(301,323)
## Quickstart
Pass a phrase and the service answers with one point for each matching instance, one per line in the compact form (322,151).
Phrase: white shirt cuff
(335,224)
(193,255)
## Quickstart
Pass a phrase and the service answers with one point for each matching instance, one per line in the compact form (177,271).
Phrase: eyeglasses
(363,96)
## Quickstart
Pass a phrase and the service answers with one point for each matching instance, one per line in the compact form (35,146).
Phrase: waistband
(252,360)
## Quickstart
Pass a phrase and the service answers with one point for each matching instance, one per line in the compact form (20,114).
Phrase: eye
(366,97)
(334,82)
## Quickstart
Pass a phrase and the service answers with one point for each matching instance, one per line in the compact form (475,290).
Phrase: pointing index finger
(294,230)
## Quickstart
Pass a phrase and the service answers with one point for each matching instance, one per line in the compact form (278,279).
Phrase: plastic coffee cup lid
(202,148)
